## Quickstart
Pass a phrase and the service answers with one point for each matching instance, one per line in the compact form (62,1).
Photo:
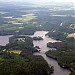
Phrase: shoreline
(62,66)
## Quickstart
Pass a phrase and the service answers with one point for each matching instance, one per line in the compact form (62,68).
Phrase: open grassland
(72,35)
(11,27)
(25,19)
(3,12)
(14,22)
(15,51)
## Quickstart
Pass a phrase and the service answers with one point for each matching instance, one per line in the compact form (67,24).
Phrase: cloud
(38,1)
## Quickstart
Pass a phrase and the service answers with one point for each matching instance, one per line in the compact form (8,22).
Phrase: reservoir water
(4,39)
(43,47)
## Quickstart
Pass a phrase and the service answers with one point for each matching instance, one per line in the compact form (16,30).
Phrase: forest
(17,58)
(20,19)
(65,53)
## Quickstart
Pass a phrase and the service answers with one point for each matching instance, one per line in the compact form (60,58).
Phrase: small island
(57,45)
(37,38)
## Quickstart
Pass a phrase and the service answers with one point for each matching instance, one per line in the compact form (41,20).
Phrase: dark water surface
(4,39)
(43,46)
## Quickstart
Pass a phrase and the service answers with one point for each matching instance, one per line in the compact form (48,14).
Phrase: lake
(43,47)
(4,39)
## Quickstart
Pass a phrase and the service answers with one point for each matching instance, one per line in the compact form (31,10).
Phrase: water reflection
(4,39)
(43,46)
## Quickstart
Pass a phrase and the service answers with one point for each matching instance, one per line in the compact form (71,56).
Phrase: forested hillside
(20,19)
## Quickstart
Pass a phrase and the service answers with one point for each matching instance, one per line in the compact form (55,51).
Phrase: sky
(38,1)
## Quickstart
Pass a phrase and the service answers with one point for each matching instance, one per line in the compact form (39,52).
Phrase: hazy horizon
(38,1)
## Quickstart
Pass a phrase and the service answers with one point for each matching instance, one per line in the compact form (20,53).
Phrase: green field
(72,35)
(15,51)
(3,12)
(26,19)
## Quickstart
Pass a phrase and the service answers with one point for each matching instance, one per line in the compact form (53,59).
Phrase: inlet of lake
(43,47)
